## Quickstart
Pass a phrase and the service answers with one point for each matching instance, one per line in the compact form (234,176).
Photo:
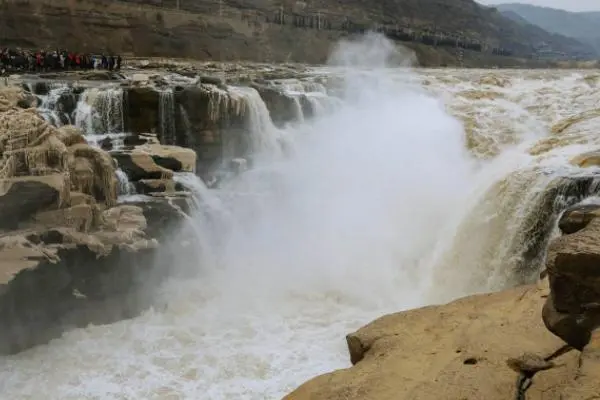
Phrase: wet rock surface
(151,167)
(23,197)
(572,311)
(462,350)
(576,218)
(70,253)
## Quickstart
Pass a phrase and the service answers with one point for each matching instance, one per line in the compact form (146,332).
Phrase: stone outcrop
(22,197)
(70,255)
(150,167)
(457,351)
(202,114)
(578,217)
(572,311)
(53,279)
(488,346)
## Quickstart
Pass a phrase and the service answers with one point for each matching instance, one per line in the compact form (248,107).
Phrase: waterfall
(52,104)
(84,112)
(210,213)
(312,98)
(383,204)
(126,188)
(264,136)
(109,106)
(100,115)
(100,110)
(167,116)
(187,125)
(298,109)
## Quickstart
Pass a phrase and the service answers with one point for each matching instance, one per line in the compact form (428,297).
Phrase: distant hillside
(451,16)
(278,30)
(584,26)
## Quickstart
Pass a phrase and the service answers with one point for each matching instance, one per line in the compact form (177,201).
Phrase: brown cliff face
(130,29)
(201,32)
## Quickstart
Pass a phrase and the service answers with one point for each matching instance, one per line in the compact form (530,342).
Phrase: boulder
(22,197)
(52,288)
(140,165)
(572,311)
(208,120)
(154,161)
(175,158)
(55,278)
(578,217)
(140,78)
(92,171)
(16,97)
(70,135)
(461,350)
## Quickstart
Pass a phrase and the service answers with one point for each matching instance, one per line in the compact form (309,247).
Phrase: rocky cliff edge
(70,254)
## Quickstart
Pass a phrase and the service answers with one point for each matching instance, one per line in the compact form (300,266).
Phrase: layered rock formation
(201,113)
(210,30)
(536,341)
(69,253)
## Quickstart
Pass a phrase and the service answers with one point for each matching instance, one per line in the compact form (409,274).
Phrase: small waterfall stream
(53,104)
(99,111)
(126,188)
(166,108)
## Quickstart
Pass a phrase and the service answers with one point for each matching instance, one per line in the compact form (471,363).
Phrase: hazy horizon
(569,5)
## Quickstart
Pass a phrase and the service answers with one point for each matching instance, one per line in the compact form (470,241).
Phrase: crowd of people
(14,60)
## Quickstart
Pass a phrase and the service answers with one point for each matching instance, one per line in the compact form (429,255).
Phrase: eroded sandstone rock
(455,351)
(578,217)
(153,161)
(57,278)
(69,254)
(23,197)
(572,310)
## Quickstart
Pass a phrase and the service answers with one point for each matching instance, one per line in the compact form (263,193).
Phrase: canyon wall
(199,33)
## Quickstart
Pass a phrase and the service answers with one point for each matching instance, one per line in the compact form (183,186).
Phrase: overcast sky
(571,5)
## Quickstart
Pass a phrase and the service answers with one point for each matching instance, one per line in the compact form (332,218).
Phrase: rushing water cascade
(166,103)
(397,196)
(51,105)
